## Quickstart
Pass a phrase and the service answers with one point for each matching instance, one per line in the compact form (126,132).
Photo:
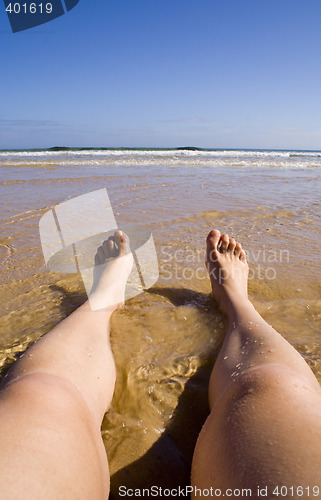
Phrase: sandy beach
(165,340)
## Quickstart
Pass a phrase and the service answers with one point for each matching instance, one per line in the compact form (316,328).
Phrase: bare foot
(228,269)
(113,264)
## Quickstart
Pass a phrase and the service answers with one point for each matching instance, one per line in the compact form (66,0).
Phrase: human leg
(264,426)
(55,396)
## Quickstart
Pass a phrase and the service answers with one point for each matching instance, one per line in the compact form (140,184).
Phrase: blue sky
(165,73)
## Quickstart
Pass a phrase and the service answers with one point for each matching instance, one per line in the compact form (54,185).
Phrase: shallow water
(165,340)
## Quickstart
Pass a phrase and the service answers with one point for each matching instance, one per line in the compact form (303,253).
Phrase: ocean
(166,339)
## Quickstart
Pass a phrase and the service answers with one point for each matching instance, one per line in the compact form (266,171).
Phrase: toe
(100,255)
(224,243)
(232,245)
(243,256)
(212,241)
(111,246)
(238,249)
(122,242)
(213,238)
(118,237)
(97,258)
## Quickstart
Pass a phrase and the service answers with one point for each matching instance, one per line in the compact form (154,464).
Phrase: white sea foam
(173,157)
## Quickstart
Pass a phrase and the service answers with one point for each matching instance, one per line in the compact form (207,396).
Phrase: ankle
(238,307)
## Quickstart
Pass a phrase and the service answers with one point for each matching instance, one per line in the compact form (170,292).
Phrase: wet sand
(166,340)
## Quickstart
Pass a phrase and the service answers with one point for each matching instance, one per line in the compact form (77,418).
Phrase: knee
(272,376)
(271,384)
(46,392)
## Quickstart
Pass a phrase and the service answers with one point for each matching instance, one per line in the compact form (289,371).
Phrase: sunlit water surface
(165,340)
